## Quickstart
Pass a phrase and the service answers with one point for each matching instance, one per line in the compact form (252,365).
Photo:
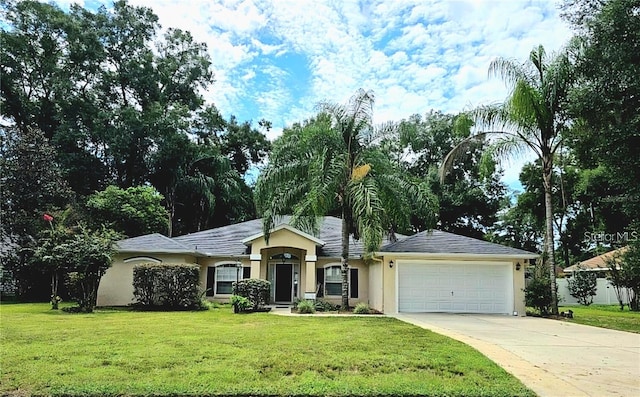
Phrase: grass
(119,352)
(606,316)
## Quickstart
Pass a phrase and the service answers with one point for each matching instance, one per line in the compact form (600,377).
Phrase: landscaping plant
(583,286)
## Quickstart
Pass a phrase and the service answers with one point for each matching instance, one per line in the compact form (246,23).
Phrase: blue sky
(277,59)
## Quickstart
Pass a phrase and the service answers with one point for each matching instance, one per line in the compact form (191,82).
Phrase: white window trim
(324,282)
(226,264)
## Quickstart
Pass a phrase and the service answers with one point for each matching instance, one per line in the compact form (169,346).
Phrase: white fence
(605,293)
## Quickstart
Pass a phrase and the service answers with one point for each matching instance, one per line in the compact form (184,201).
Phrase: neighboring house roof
(597,263)
(439,242)
(231,240)
(152,243)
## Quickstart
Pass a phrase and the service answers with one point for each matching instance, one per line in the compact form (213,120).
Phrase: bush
(324,306)
(362,308)
(538,294)
(306,307)
(167,286)
(254,289)
(582,286)
(240,303)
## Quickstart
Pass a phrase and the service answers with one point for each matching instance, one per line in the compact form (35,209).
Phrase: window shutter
(320,280)
(354,283)
(246,272)
(211,273)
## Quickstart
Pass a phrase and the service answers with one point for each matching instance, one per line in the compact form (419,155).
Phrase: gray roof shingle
(439,242)
(152,243)
(227,240)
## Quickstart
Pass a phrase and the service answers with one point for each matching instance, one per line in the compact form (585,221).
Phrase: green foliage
(582,286)
(306,307)
(630,264)
(362,308)
(132,212)
(167,286)
(83,256)
(254,289)
(605,104)
(240,303)
(610,317)
(325,306)
(537,293)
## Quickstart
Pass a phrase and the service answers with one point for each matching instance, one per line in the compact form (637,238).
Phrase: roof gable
(284,226)
(597,262)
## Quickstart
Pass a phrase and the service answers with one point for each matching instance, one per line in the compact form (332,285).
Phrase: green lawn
(606,316)
(119,352)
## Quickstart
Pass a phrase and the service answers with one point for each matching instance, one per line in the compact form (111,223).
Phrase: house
(598,264)
(431,271)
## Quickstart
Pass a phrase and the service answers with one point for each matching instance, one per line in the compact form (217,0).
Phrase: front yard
(606,316)
(119,352)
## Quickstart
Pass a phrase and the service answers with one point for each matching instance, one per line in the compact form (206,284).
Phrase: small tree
(583,286)
(537,293)
(631,274)
(616,279)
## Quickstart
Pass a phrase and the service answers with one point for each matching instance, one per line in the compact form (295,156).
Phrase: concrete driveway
(553,358)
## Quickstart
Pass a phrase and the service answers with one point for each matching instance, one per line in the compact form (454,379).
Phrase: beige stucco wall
(363,277)
(375,285)
(116,286)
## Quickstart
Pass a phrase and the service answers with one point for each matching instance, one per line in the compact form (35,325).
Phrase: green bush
(254,289)
(537,294)
(362,308)
(240,303)
(324,306)
(306,307)
(582,286)
(167,287)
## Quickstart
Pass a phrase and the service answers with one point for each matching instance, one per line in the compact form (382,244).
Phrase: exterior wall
(363,283)
(116,286)
(519,305)
(376,294)
(205,263)
(605,293)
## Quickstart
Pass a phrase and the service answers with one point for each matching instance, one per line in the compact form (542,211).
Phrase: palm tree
(332,165)
(530,119)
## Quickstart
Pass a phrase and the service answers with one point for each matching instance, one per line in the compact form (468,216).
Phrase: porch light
(517,265)
(391,264)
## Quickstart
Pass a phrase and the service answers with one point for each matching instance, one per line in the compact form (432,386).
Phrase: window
(333,280)
(220,278)
(330,280)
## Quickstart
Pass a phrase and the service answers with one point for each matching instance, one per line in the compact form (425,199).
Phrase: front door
(284,282)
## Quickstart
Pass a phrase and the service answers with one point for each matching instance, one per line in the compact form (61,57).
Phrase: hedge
(167,286)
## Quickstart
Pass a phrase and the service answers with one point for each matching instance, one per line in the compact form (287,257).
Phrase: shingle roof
(439,242)
(597,262)
(152,243)
(227,240)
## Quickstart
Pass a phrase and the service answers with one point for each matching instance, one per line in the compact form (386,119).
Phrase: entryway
(284,278)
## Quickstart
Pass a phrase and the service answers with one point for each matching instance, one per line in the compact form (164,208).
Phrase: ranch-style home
(431,271)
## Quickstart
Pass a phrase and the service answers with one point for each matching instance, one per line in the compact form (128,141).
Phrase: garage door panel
(455,287)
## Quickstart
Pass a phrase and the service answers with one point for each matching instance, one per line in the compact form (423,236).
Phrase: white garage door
(462,287)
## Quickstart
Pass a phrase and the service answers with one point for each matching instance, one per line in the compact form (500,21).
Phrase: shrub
(256,290)
(537,294)
(362,308)
(240,303)
(582,286)
(167,286)
(324,306)
(306,307)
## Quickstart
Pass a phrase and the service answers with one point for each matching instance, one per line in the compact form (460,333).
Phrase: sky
(276,59)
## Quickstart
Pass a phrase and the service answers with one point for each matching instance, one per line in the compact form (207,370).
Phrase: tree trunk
(548,236)
(345,262)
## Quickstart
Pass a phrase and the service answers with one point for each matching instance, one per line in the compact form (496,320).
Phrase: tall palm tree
(530,119)
(331,165)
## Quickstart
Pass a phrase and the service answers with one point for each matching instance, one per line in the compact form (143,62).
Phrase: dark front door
(284,278)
